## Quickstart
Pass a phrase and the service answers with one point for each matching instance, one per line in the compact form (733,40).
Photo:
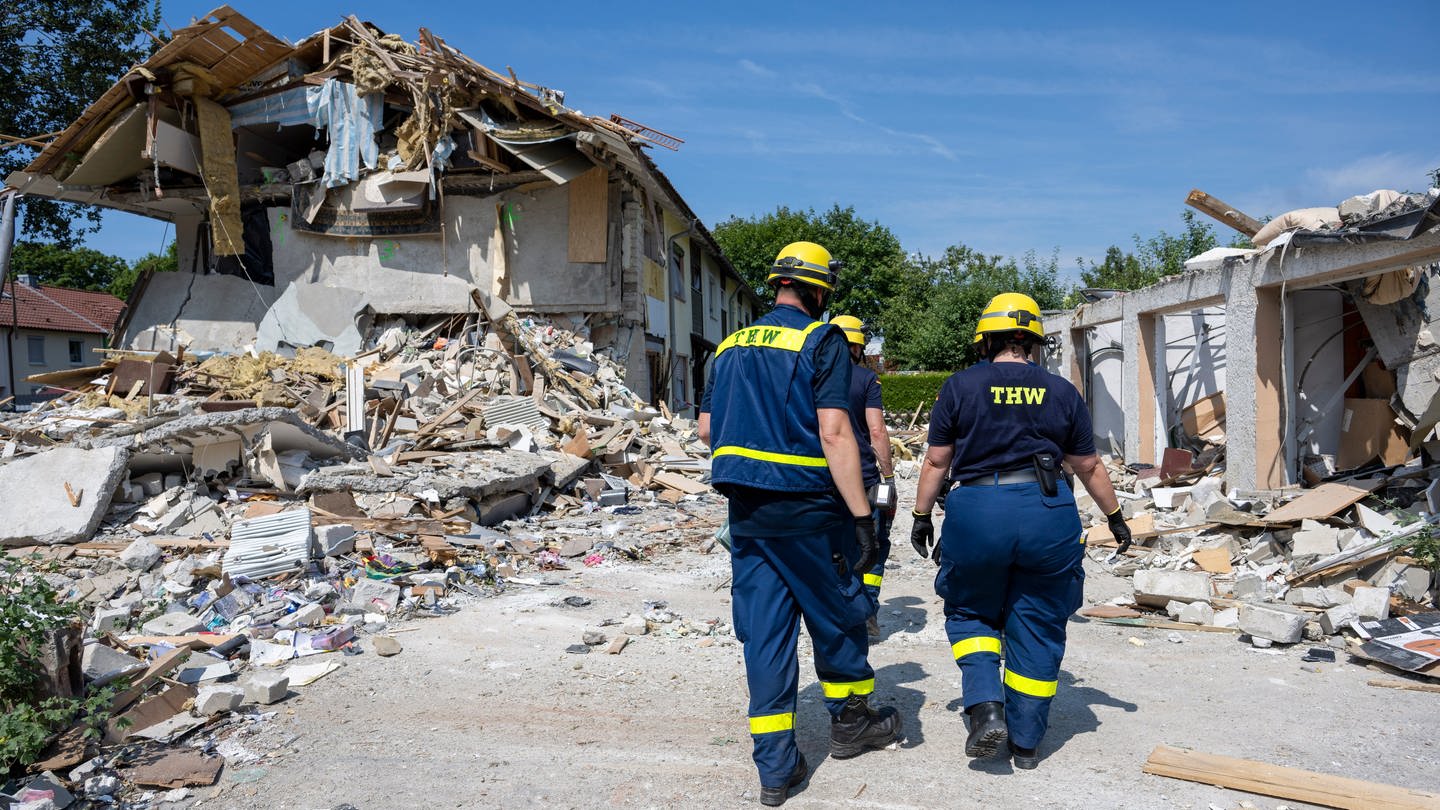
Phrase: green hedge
(903,393)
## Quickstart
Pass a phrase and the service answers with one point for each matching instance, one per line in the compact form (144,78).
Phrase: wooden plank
(1142,528)
(1407,686)
(1163,624)
(1324,501)
(1285,783)
(163,665)
(1213,560)
(1228,214)
(589,216)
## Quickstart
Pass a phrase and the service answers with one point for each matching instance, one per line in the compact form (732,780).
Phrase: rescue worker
(867,421)
(782,451)
(1011,546)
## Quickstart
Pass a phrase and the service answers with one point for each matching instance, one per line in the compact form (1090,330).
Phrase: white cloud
(1403,172)
(757,70)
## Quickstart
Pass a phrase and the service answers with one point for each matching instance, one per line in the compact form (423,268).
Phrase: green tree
(76,268)
(1163,254)
(931,325)
(875,264)
(59,56)
(124,281)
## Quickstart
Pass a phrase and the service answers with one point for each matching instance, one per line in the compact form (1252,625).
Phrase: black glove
(922,537)
(869,547)
(1119,529)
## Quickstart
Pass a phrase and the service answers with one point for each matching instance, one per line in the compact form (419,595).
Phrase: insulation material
(589,216)
(1302,219)
(217,146)
(1387,288)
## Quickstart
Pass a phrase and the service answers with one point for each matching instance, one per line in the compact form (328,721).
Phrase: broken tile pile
(1335,563)
(235,525)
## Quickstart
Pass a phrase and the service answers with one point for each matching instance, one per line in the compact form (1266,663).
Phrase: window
(677,272)
(714,297)
(77,352)
(37,350)
(680,382)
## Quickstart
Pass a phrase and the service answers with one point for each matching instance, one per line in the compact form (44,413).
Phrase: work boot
(1024,758)
(987,728)
(860,727)
(776,796)
(872,627)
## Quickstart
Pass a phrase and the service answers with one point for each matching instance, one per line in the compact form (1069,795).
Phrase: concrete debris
(57,495)
(1277,623)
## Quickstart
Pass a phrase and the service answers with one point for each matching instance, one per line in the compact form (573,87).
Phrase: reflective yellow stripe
(1029,686)
(771,723)
(844,690)
(966,646)
(874,579)
(765,455)
(769,337)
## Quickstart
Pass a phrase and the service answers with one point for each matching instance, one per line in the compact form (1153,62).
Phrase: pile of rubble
(1349,562)
(234,524)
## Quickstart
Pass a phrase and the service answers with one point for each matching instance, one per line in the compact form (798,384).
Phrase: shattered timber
(433,352)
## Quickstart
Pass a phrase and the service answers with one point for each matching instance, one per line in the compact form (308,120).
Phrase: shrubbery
(903,393)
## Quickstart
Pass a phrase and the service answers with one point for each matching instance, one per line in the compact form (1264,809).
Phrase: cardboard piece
(689,486)
(1205,418)
(1213,560)
(1367,431)
(174,769)
(149,712)
(1324,501)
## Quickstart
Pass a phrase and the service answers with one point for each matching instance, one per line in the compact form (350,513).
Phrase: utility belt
(1045,470)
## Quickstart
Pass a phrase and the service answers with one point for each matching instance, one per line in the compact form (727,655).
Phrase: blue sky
(1002,126)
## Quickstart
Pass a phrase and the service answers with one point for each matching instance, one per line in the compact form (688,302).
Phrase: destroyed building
(323,191)
(1305,357)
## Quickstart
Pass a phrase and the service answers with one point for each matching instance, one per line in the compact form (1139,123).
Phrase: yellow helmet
(805,262)
(853,328)
(1010,312)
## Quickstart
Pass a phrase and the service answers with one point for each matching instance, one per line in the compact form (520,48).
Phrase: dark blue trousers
(876,576)
(777,582)
(1010,568)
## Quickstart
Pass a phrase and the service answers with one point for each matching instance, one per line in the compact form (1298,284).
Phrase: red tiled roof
(58,309)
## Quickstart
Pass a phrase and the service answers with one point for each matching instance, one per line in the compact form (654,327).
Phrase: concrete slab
(37,509)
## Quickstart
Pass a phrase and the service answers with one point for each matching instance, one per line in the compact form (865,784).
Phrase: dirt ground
(485,708)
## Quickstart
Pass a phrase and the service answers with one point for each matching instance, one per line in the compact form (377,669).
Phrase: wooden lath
(203,43)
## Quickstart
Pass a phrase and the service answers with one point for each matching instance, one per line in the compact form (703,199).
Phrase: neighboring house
(49,329)
(341,191)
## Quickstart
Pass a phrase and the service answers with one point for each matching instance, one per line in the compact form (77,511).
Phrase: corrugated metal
(515,411)
(269,545)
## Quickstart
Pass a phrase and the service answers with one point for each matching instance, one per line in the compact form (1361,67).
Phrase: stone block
(37,508)
(141,555)
(111,620)
(101,664)
(635,625)
(1197,613)
(151,483)
(303,616)
(217,699)
(374,595)
(1410,581)
(265,687)
(1321,541)
(1249,586)
(172,624)
(334,540)
(1279,623)
(1372,603)
(1229,617)
(1317,597)
(1158,588)
(1338,618)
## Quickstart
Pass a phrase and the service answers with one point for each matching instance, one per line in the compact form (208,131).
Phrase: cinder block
(1248,586)
(1372,603)
(1158,588)
(218,699)
(1197,613)
(1279,623)
(1318,542)
(265,687)
(1338,618)
(332,541)
(108,620)
(172,624)
(1229,617)
(141,555)
(1317,597)
(303,616)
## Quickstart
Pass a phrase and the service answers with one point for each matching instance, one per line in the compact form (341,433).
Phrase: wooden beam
(1228,214)
(1285,783)
(1406,685)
